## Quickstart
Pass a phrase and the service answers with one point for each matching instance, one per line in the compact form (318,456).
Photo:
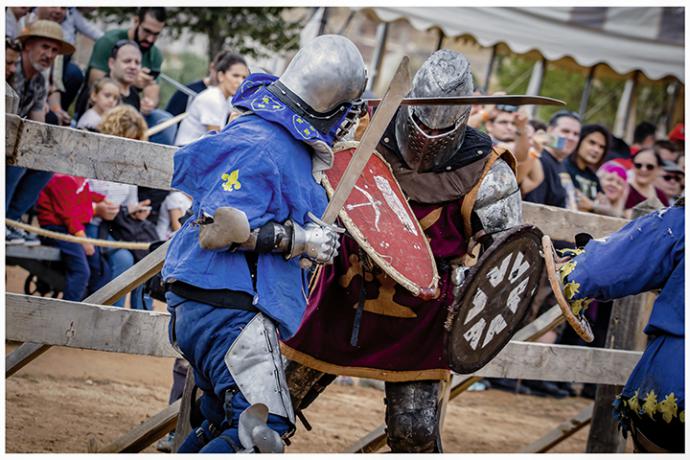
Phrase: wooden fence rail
(108,294)
(82,325)
(82,153)
(95,327)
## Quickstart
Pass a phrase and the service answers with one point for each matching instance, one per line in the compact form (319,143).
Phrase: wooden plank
(13,126)
(20,251)
(71,151)
(374,441)
(147,433)
(81,325)
(95,327)
(561,432)
(107,295)
(23,355)
(562,224)
(92,155)
(561,363)
(604,436)
(11,99)
(184,427)
(131,278)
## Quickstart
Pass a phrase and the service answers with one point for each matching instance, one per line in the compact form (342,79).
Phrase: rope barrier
(76,239)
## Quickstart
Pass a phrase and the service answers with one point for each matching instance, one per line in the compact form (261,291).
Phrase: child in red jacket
(64,206)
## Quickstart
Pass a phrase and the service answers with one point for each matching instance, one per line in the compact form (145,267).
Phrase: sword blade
(399,87)
(465,100)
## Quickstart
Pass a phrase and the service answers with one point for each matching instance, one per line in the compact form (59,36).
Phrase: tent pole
(536,81)
(490,68)
(630,114)
(441,36)
(620,126)
(324,20)
(672,91)
(377,59)
(584,100)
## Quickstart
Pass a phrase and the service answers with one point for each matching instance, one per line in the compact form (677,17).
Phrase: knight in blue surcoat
(648,254)
(235,272)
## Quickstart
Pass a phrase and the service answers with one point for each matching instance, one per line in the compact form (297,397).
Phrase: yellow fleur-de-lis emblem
(231,181)
(571,289)
(668,408)
(265,100)
(649,406)
(567,269)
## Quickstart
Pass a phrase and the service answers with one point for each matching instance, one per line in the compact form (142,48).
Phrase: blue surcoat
(647,254)
(264,169)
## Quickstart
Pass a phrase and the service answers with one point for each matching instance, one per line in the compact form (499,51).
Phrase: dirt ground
(67,397)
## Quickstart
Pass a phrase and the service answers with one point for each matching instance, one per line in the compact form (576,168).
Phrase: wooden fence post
(603,435)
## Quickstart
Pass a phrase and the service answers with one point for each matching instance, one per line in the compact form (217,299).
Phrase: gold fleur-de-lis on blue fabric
(668,407)
(303,127)
(649,406)
(231,181)
(567,269)
(266,103)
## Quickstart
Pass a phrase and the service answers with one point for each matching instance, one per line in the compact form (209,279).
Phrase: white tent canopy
(650,40)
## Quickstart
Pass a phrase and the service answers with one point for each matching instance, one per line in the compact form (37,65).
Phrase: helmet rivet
(479,152)
(386,140)
(448,168)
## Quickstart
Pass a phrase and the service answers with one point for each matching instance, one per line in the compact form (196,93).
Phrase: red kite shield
(379,218)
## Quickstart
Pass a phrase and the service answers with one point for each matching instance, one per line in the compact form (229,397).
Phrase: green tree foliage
(184,67)
(513,72)
(255,32)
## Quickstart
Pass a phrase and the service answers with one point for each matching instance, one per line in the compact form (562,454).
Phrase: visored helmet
(324,82)
(428,136)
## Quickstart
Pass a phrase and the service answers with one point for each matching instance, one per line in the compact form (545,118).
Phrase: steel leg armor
(412,416)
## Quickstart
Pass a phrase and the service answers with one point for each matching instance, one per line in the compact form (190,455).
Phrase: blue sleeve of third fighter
(638,258)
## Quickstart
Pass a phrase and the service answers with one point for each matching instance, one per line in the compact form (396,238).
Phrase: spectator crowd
(116,94)
(568,164)
(562,161)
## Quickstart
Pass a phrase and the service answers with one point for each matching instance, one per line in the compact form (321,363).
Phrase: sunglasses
(672,177)
(647,166)
(507,108)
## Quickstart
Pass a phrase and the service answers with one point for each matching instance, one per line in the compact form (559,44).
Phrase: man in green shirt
(145,29)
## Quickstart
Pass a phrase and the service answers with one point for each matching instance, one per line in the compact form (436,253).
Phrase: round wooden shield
(493,299)
(379,218)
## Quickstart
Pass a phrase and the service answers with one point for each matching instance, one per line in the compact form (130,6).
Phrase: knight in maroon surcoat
(462,189)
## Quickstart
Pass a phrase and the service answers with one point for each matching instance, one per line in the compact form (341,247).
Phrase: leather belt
(222,298)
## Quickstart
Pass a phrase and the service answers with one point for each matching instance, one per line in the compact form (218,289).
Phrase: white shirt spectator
(209,108)
(12,26)
(174,200)
(76,23)
(90,120)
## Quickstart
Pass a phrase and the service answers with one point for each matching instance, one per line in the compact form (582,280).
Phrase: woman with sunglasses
(646,169)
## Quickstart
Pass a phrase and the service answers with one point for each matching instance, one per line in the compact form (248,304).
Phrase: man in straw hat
(41,42)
